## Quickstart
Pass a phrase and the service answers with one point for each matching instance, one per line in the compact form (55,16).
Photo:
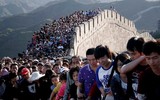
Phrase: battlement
(106,28)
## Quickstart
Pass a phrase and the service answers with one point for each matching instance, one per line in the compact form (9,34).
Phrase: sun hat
(35,76)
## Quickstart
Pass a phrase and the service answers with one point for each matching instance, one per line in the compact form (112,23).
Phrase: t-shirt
(102,77)
(149,84)
(73,91)
(56,89)
(61,91)
(135,76)
(45,84)
(86,77)
(28,90)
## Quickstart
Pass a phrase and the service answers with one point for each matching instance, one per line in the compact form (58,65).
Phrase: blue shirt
(86,77)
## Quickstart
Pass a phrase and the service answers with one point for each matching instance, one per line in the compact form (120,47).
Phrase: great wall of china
(107,28)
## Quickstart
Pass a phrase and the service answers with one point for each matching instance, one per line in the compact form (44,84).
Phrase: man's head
(90,57)
(75,61)
(25,73)
(46,67)
(151,50)
(56,68)
(134,47)
(14,68)
(59,61)
(103,55)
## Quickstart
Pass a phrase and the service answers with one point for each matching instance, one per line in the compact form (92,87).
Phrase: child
(74,76)
(57,84)
(63,78)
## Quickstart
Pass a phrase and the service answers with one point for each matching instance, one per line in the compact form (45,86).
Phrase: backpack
(2,87)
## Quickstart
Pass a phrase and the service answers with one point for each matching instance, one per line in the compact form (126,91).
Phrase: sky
(122,0)
(152,0)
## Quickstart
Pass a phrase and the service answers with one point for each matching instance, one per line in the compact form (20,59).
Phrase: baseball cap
(24,71)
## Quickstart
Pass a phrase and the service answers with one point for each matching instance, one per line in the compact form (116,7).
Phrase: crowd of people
(103,75)
(54,39)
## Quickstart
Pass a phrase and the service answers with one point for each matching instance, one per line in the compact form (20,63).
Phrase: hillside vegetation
(16,31)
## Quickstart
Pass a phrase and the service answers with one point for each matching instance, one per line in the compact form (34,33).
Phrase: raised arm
(130,66)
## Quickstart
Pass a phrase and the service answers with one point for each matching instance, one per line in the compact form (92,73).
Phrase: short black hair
(14,64)
(101,51)
(122,57)
(63,76)
(135,44)
(90,51)
(72,70)
(48,66)
(12,75)
(54,75)
(151,46)
(49,73)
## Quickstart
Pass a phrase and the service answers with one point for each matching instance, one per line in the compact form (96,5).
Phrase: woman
(120,84)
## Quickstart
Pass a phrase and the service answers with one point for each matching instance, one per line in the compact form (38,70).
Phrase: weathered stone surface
(108,28)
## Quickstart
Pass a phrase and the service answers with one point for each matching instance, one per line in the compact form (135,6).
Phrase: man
(103,72)
(149,81)
(45,82)
(28,90)
(87,76)
(14,68)
(75,62)
(137,65)
(60,67)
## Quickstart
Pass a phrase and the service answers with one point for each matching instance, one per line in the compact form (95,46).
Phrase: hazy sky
(109,0)
(122,0)
(152,0)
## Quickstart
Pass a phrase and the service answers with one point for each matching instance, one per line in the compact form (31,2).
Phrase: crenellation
(95,22)
(103,15)
(108,28)
(77,31)
(82,30)
(118,17)
(106,13)
(98,19)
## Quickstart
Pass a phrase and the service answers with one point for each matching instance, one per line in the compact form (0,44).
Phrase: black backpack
(2,86)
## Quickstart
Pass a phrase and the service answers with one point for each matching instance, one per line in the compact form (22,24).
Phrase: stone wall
(107,28)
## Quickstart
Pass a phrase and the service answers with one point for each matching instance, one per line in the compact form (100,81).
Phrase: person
(138,63)
(14,68)
(87,76)
(73,88)
(8,80)
(59,66)
(56,68)
(40,67)
(75,61)
(28,90)
(11,90)
(63,78)
(119,87)
(103,55)
(57,85)
(45,84)
(148,87)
